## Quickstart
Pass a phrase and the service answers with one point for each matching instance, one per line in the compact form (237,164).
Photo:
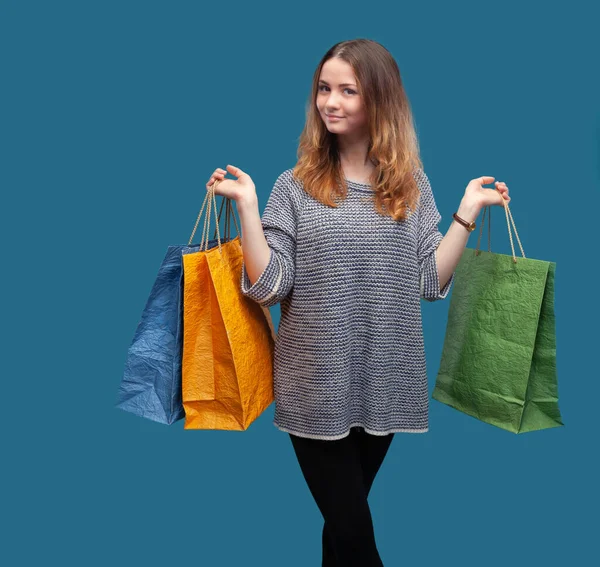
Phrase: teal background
(114,115)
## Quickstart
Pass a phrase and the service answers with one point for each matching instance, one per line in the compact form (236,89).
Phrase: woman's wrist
(468,210)
(247,202)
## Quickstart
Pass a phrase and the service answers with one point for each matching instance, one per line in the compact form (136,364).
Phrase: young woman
(349,244)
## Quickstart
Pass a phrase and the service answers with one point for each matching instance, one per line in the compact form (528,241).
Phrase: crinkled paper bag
(151,383)
(499,355)
(228,343)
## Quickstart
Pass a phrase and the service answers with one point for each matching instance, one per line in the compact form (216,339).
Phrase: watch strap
(470,226)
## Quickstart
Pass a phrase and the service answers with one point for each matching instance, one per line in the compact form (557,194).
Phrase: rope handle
(210,197)
(508,214)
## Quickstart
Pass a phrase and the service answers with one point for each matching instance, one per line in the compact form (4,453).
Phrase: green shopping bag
(499,355)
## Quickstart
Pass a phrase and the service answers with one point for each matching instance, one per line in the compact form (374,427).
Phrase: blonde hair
(393,145)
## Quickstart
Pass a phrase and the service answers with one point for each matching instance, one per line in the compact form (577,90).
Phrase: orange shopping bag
(228,339)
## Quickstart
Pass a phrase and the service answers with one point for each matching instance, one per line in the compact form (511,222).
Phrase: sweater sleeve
(428,240)
(279,221)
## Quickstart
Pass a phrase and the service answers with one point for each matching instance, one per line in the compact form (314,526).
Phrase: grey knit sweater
(349,348)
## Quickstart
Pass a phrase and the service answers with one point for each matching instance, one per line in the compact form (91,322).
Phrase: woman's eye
(346,89)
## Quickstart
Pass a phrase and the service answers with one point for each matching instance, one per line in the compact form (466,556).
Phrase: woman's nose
(332,101)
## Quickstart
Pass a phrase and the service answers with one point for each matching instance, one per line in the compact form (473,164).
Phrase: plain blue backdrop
(114,115)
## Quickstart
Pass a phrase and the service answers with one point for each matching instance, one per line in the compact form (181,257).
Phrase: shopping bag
(499,356)
(228,339)
(151,383)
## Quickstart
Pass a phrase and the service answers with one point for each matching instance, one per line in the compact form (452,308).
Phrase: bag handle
(210,197)
(508,214)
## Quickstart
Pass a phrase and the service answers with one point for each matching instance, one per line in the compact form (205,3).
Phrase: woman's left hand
(480,196)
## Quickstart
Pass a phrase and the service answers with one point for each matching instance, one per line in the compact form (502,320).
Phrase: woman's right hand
(237,189)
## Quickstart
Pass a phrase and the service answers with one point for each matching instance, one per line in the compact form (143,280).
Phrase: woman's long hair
(393,146)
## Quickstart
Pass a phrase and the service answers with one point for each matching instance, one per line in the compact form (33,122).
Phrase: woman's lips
(330,117)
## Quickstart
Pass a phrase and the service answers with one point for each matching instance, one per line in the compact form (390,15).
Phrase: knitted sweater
(349,349)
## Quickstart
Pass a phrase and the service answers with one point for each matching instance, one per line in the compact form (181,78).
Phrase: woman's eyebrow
(340,85)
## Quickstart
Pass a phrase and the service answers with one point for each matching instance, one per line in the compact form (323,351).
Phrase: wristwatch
(470,226)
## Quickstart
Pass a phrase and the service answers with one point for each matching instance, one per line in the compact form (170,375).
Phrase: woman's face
(338,95)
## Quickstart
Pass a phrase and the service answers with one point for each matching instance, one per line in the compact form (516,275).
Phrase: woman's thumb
(235,171)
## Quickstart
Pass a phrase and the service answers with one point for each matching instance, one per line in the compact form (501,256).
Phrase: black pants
(339,475)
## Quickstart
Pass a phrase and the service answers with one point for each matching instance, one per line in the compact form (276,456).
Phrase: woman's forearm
(255,248)
(452,246)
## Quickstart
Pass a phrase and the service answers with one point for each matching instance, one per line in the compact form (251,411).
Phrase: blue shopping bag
(151,383)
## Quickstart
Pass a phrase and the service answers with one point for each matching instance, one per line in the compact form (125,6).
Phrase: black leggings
(339,475)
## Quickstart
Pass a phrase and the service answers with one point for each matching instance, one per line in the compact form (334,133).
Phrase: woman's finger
(214,177)
(235,171)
